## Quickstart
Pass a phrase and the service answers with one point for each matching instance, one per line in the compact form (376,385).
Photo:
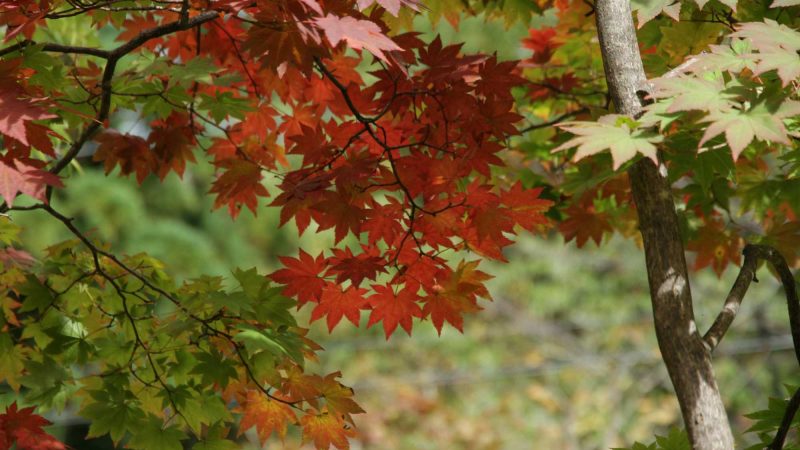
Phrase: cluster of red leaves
(23,429)
(543,43)
(384,164)
(20,110)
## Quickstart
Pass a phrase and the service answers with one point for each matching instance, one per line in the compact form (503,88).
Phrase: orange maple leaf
(325,429)
(266,415)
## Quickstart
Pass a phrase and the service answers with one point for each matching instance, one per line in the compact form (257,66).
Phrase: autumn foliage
(345,119)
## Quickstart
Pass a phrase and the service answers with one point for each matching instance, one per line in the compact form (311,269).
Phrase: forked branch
(752,255)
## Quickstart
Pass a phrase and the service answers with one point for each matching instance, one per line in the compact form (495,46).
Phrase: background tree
(398,157)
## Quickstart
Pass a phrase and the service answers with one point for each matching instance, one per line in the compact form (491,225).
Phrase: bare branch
(731,306)
(747,274)
(552,122)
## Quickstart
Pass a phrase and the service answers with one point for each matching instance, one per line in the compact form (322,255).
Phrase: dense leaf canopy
(422,159)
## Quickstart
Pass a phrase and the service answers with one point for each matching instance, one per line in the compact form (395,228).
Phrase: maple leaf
(172,141)
(786,237)
(383,221)
(22,178)
(359,34)
(337,212)
(24,428)
(266,415)
(542,43)
(338,397)
(611,132)
(356,268)
(393,309)
(715,247)
(325,429)
(763,120)
(17,111)
(525,207)
(337,302)
(584,223)
(688,92)
(393,6)
(239,184)
(456,295)
(131,153)
(302,276)
(300,386)
(647,10)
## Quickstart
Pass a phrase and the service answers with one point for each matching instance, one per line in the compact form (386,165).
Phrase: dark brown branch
(113,57)
(552,122)
(747,274)
(731,307)
(57,48)
(752,254)
(786,422)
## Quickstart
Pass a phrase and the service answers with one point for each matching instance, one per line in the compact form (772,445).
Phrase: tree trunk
(685,355)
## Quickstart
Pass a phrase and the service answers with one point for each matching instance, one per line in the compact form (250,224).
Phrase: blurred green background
(563,358)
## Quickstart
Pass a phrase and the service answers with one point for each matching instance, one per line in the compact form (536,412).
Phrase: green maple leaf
(153,436)
(763,120)
(215,444)
(612,132)
(111,417)
(647,10)
(688,93)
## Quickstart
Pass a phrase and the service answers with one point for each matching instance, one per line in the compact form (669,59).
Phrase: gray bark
(687,359)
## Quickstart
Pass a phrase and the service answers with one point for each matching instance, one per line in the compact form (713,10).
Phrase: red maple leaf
(525,206)
(393,309)
(715,246)
(393,6)
(338,212)
(131,153)
(172,141)
(17,109)
(24,428)
(240,184)
(356,268)
(359,34)
(302,276)
(17,177)
(337,302)
(542,43)
(456,295)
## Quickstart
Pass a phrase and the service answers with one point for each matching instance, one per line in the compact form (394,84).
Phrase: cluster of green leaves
(767,421)
(675,440)
(722,118)
(120,338)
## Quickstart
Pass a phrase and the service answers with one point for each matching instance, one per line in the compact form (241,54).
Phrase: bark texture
(687,358)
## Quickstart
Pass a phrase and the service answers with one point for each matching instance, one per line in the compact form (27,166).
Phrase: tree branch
(558,119)
(56,48)
(752,255)
(786,423)
(113,57)
(731,306)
